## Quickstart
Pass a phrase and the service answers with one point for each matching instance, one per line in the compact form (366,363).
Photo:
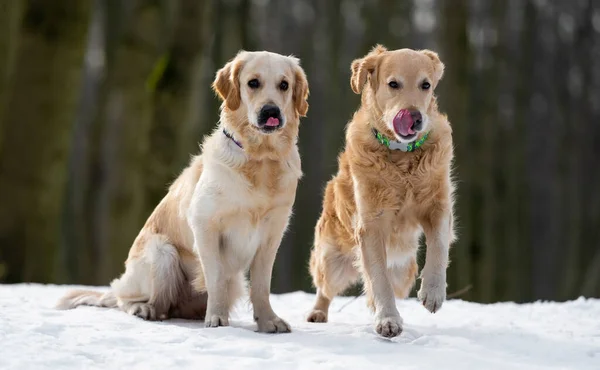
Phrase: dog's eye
(254,84)
(283,85)
(394,85)
(425,85)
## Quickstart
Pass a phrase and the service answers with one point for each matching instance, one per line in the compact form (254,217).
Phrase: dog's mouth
(408,138)
(407,124)
(271,124)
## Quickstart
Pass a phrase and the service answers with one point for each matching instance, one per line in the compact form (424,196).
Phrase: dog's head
(263,89)
(399,85)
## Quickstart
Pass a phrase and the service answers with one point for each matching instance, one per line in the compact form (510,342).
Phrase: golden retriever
(394,184)
(227,212)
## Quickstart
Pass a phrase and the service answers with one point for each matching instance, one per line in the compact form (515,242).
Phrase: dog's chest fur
(250,197)
(407,178)
(402,181)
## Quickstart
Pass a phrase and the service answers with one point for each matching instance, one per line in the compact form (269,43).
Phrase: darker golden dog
(394,184)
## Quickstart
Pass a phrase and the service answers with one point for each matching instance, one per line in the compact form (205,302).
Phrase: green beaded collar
(396,145)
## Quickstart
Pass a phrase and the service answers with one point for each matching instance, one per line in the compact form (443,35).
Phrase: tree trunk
(38,121)
(454,97)
(311,144)
(485,18)
(580,184)
(118,208)
(11,12)
(542,155)
(171,139)
(512,171)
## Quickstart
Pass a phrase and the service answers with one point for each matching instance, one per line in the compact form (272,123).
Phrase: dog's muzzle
(269,118)
(408,122)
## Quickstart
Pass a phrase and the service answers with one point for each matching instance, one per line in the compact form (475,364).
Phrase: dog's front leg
(370,232)
(438,233)
(388,322)
(260,275)
(206,245)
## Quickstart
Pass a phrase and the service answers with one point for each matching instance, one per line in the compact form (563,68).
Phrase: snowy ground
(462,335)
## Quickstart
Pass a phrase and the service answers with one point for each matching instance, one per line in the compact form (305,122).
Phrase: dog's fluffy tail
(86,298)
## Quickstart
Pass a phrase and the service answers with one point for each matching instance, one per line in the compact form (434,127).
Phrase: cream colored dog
(393,185)
(227,212)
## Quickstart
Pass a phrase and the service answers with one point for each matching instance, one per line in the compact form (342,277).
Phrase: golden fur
(226,213)
(381,201)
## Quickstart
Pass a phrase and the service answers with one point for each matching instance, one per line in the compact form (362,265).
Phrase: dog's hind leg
(153,280)
(402,263)
(403,277)
(192,306)
(332,273)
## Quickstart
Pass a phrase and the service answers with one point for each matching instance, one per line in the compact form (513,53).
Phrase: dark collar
(230,136)
(396,145)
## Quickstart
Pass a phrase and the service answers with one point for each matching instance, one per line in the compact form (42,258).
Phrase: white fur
(397,258)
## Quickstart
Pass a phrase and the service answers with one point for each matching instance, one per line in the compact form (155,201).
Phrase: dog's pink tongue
(403,123)
(272,122)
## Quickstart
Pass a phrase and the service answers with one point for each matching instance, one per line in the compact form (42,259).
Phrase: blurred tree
(542,156)
(454,97)
(521,90)
(10,20)
(511,221)
(119,198)
(38,119)
(315,56)
(77,255)
(172,137)
(483,22)
(581,267)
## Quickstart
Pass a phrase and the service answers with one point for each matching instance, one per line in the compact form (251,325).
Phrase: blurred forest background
(103,101)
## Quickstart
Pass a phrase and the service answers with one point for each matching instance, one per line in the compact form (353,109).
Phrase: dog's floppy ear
(227,82)
(300,94)
(438,66)
(363,67)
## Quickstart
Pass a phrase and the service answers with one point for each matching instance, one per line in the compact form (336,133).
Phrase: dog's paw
(317,316)
(433,292)
(388,327)
(143,310)
(214,321)
(273,325)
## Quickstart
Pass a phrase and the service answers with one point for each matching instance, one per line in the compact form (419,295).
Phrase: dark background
(103,101)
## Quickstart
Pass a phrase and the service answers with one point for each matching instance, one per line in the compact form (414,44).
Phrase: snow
(541,335)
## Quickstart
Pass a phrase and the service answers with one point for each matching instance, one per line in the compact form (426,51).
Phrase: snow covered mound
(462,335)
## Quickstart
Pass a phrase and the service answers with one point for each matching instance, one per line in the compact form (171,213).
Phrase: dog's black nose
(417,119)
(416,116)
(269,118)
(270,110)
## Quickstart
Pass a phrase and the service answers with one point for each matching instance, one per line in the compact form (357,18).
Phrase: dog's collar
(397,145)
(230,136)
